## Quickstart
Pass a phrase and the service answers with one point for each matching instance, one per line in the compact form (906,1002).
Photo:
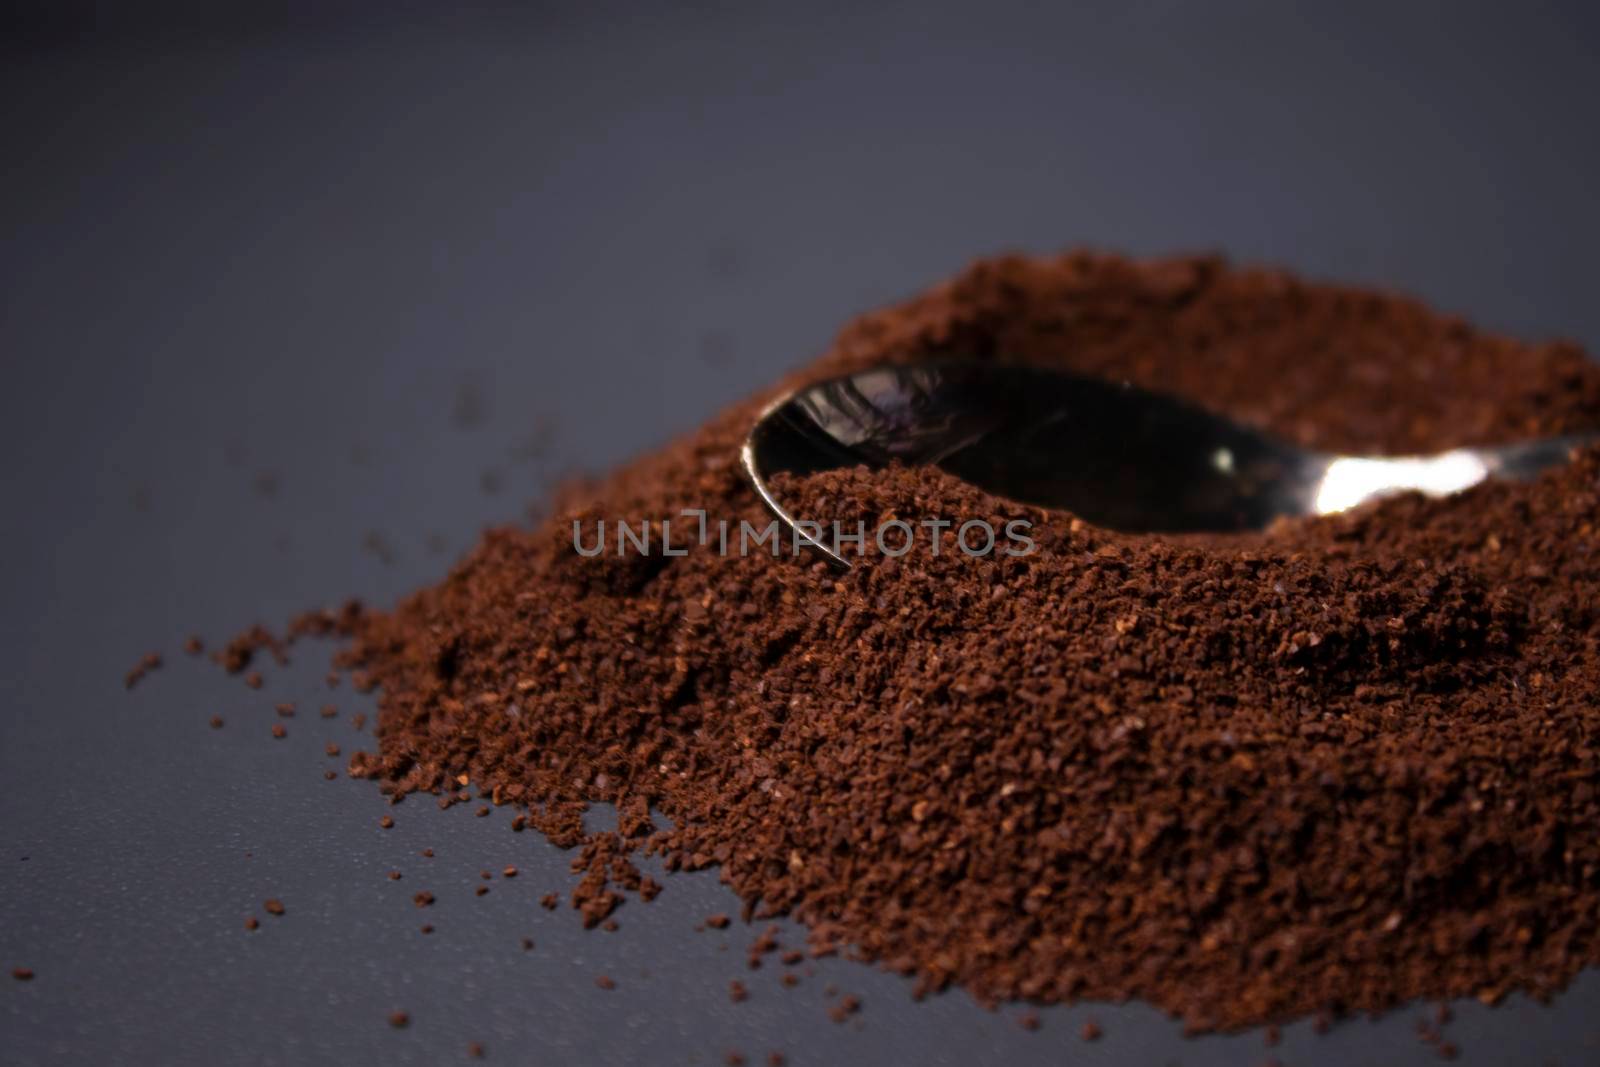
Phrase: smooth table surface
(289,314)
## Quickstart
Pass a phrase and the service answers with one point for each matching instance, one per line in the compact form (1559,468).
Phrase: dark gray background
(242,250)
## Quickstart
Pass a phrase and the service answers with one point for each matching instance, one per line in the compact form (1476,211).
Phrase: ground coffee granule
(1333,766)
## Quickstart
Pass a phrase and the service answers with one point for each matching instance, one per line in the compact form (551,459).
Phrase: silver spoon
(1116,455)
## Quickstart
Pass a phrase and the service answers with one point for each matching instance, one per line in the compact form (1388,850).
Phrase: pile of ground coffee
(1333,766)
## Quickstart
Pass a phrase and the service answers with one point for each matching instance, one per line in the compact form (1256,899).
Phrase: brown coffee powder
(1333,766)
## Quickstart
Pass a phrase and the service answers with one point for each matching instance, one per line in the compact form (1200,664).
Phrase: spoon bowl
(1111,453)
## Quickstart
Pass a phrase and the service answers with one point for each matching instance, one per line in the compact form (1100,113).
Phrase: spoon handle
(1351,480)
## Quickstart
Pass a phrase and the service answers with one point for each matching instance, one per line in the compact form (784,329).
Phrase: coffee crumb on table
(844,1007)
(150,661)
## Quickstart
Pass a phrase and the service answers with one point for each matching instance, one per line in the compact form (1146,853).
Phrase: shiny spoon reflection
(1116,455)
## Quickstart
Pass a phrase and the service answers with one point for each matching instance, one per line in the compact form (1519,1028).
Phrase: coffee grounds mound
(1334,766)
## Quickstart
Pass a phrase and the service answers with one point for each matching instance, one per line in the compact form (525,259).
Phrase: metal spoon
(1114,454)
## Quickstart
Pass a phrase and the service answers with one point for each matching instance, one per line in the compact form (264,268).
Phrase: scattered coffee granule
(394,876)
(329,711)
(22,974)
(604,981)
(252,923)
(737,992)
(399,1019)
(422,899)
(475,1050)
(285,710)
(1028,1020)
(240,652)
(273,906)
(845,1007)
(482,811)
(527,944)
(331,749)
(378,547)
(329,776)
(266,483)
(1091,1031)
(148,662)
(194,646)
(776,1059)
(717,922)
(427,928)
(386,823)
(482,890)
(789,979)
(216,722)
(279,731)
(767,942)
(509,872)
(734,1059)
(358,721)
(1342,763)
(550,901)
(426,853)
(253,680)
